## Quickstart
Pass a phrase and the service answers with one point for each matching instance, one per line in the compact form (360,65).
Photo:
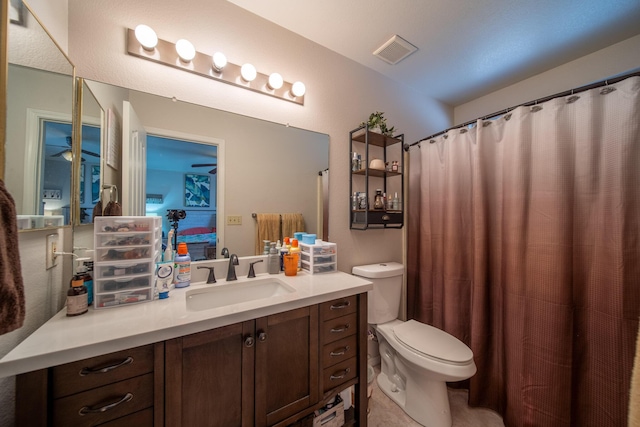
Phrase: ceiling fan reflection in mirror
(201,165)
(68,155)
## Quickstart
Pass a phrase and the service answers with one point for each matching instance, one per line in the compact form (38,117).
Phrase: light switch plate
(234,219)
(51,248)
(52,194)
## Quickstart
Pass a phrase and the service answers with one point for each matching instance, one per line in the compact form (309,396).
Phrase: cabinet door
(210,378)
(286,364)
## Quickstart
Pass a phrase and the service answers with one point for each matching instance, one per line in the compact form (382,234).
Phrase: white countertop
(66,339)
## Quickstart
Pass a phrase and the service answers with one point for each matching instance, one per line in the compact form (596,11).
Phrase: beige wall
(616,59)
(340,92)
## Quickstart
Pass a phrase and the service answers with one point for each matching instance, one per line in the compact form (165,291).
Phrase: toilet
(417,360)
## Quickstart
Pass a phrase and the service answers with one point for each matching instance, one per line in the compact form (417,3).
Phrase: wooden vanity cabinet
(117,389)
(209,377)
(270,371)
(257,373)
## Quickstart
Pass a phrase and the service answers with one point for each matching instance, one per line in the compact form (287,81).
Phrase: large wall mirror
(38,136)
(210,163)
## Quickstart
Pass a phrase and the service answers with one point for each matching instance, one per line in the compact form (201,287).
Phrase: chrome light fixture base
(165,53)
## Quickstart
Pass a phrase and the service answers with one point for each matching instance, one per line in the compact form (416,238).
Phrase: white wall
(45,292)
(616,59)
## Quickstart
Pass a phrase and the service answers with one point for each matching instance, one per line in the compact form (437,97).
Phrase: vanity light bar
(201,64)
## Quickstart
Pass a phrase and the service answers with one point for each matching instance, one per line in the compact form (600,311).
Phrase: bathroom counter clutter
(65,339)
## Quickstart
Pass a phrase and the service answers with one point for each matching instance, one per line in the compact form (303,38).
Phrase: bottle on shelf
(378,201)
(396,202)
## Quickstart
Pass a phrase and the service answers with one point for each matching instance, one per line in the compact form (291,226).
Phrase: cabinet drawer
(340,327)
(339,351)
(339,374)
(97,371)
(142,418)
(104,404)
(338,307)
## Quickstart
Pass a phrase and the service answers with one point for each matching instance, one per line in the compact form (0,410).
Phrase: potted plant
(378,123)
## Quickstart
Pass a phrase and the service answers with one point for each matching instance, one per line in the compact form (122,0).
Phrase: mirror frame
(4,71)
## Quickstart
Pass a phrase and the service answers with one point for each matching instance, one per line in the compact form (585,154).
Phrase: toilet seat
(432,343)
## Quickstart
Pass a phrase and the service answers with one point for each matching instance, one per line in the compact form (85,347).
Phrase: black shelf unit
(364,219)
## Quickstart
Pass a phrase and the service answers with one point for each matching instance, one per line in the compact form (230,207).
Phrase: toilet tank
(384,299)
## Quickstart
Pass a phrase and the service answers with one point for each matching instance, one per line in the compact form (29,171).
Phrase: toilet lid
(432,342)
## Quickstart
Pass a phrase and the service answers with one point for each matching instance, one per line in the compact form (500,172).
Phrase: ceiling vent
(395,50)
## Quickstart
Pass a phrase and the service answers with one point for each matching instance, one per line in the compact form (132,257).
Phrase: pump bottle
(273,260)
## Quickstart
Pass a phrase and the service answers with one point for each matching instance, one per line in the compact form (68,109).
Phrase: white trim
(219,143)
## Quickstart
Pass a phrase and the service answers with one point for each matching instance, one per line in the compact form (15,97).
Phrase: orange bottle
(295,250)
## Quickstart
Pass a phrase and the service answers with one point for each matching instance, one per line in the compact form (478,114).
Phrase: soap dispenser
(273,260)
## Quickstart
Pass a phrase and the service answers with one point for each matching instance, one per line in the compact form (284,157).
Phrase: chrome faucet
(231,272)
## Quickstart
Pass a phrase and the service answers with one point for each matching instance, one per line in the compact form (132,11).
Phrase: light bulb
(146,36)
(186,50)
(275,81)
(248,72)
(219,61)
(298,89)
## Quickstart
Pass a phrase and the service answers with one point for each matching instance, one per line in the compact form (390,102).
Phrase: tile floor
(385,413)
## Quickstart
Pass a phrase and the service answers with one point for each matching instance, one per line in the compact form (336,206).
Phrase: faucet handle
(212,277)
(252,272)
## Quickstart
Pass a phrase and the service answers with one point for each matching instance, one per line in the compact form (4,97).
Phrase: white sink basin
(235,292)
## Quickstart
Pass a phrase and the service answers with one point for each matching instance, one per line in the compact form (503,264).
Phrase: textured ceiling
(466,48)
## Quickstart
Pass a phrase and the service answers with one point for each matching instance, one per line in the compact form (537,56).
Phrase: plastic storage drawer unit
(319,258)
(126,250)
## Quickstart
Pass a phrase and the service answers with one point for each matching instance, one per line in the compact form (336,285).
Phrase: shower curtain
(524,243)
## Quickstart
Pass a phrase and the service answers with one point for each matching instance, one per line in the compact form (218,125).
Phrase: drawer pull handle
(343,304)
(262,336)
(88,371)
(337,376)
(339,353)
(339,329)
(87,410)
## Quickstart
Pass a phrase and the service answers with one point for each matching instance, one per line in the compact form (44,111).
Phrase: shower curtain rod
(527,104)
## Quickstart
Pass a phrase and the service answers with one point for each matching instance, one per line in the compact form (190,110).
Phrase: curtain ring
(572,99)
